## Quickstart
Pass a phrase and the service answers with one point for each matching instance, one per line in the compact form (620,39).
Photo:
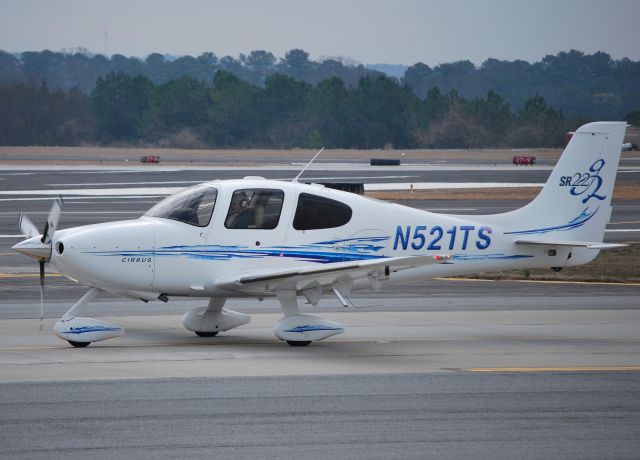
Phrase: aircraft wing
(575,244)
(297,278)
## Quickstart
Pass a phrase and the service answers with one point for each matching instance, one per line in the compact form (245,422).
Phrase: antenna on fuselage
(307,165)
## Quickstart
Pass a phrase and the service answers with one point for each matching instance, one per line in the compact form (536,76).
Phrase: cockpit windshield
(193,206)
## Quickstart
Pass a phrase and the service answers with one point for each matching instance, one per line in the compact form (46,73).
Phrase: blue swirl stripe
(576,222)
(321,252)
(478,257)
(85,329)
(308,328)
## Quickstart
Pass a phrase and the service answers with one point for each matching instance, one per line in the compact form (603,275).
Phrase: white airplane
(253,238)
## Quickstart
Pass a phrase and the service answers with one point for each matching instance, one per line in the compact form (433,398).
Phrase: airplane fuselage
(150,256)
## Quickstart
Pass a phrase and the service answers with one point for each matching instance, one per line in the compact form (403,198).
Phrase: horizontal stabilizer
(575,244)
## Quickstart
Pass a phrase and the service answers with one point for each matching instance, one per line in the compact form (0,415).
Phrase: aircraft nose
(34,247)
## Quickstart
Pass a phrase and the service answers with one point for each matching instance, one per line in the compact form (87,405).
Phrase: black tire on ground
(78,344)
(206,333)
(298,343)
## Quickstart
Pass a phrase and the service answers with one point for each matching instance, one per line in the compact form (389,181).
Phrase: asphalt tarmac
(378,416)
(445,369)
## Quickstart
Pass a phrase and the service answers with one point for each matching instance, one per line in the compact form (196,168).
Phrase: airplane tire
(298,343)
(206,333)
(78,344)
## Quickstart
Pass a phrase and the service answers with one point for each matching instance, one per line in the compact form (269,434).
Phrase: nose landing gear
(80,332)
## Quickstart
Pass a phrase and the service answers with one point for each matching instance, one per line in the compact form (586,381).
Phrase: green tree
(282,105)
(233,120)
(332,115)
(39,116)
(417,77)
(494,114)
(10,72)
(384,114)
(633,118)
(296,64)
(538,125)
(259,64)
(119,102)
(176,105)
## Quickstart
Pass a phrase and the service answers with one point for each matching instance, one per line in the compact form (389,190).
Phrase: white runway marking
(89,197)
(90,184)
(140,200)
(187,182)
(163,191)
(142,191)
(445,185)
(13,213)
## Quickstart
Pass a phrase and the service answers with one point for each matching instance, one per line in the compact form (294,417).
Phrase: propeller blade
(41,293)
(28,228)
(53,220)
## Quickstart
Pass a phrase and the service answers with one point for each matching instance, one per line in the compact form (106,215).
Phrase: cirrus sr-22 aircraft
(253,238)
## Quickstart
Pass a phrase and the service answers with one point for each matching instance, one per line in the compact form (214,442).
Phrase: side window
(316,212)
(193,206)
(255,208)
(205,207)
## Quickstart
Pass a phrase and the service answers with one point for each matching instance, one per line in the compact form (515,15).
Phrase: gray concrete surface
(374,342)
(414,416)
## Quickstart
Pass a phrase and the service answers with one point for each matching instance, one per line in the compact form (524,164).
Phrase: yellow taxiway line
(605,283)
(624,223)
(26,275)
(555,369)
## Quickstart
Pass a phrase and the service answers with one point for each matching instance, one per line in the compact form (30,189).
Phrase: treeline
(39,116)
(82,69)
(378,112)
(592,86)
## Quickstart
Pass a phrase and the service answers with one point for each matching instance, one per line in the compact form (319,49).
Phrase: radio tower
(106,29)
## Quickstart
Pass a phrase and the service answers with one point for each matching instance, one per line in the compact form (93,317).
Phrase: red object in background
(150,159)
(524,160)
(568,136)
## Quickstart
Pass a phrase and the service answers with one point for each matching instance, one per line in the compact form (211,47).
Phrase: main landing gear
(210,320)
(300,330)
(295,329)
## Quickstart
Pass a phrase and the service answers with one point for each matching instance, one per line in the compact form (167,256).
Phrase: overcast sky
(394,31)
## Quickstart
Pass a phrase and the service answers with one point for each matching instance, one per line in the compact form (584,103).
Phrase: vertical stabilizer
(575,203)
